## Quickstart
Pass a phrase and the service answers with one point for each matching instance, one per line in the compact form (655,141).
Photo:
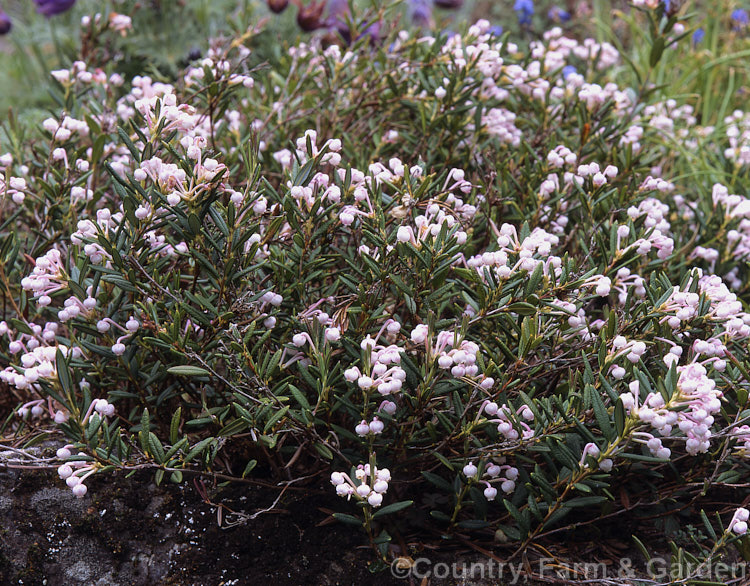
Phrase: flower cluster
(505,475)
(381,370)
(738,524)
(473,255)
(510,422)
(75,472)
(370,487)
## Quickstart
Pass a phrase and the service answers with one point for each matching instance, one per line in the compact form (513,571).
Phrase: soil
(131,532)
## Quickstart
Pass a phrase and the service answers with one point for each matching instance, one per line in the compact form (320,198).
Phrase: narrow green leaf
(275,418)
(393,508)
(174,425)
(249,468)
(348,519)
(620,417)
(187,370)
(63,374)
(438,481)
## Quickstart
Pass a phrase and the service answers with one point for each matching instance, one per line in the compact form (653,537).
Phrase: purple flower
(568,70)
(525,10)
(372,31)
(52,7)
(338,9)
(5,23)
(421,12)
(740,18)
(698,36)
(496,30)
(557,14)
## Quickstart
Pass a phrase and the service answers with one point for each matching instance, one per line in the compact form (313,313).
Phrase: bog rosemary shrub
(447,274)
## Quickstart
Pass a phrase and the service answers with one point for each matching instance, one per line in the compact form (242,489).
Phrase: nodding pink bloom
(371,487)
(52,7)
(590,449)
(738,524)
(470,470)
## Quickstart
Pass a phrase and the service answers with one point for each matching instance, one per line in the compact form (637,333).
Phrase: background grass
(166,34)
(712,75)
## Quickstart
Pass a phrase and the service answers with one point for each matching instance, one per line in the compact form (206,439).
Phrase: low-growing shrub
(445,273)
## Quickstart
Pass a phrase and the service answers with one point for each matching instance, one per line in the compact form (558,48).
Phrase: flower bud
(310,16)
(52,7)
(333,334)
(375,499)
(592,450)
(362,428)
(376,426)
(445,361)
(449,4)
(419,334)
(470,471)
(663,453)
(277,6)
(5,23)
(380,486)
(363,490)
